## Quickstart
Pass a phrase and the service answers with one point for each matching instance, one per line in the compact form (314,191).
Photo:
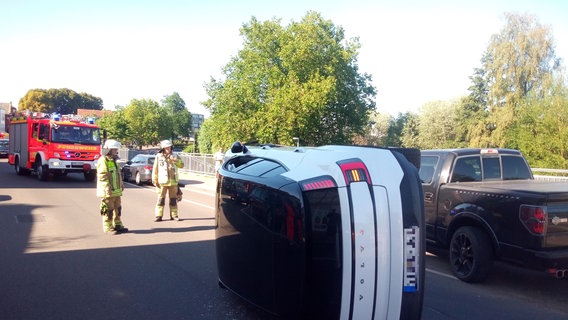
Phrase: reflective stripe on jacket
(165,170)
(109,179)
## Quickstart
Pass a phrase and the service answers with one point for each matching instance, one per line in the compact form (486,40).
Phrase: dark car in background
(139,169)
(4,148)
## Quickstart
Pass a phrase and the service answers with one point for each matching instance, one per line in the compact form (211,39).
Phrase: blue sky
(416,51)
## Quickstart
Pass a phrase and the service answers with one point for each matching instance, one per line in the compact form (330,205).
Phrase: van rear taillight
(354,170)
(533,218)
(323,182)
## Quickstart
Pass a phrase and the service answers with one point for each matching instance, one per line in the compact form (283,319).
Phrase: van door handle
(428,196)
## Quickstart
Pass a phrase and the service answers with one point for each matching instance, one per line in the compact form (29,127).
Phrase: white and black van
(333,232)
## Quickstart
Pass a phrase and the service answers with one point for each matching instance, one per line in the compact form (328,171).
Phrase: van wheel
(471,255)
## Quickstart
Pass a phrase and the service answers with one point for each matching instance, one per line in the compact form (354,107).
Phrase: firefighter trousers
(111,210)
(171,191)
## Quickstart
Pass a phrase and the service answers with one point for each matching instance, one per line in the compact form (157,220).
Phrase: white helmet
(112,144)
(165,144)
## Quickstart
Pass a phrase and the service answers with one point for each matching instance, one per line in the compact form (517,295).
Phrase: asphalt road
(56,263)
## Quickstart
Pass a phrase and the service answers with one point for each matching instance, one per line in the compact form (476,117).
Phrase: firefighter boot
(159,209)
(118,227)
(173,209)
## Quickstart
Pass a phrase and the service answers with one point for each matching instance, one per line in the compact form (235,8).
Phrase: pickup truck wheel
(471,255)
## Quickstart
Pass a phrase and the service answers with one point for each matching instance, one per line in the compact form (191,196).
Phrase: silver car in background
(139,169)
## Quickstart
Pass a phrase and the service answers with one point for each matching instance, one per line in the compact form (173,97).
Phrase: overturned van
(334,232)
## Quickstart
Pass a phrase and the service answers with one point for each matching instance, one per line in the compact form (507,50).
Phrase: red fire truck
(46,144)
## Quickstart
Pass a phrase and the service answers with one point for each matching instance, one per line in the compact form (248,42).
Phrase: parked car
(334,232)
(139,168)
(3,148)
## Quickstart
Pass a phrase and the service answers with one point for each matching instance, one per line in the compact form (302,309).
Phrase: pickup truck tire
(471,255)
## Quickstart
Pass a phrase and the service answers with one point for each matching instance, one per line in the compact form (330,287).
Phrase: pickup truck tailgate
(553,195)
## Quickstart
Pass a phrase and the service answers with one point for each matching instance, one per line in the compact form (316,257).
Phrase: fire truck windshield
(75,134)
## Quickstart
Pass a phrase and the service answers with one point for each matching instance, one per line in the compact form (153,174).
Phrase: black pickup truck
(484,204)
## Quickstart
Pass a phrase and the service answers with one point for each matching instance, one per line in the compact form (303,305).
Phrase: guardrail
(552,175)
(192,162)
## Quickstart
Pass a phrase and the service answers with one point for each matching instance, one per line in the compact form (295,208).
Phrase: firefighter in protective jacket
(110,187)
(165,177)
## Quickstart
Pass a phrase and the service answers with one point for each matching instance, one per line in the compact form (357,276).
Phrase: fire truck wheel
(17,166)
(90,176)
(19,170)
(42,172)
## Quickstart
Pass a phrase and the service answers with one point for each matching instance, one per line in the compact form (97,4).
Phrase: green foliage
(145,122)
(116,126)
(179,116)
(296,81)
(541,131)
(63,101)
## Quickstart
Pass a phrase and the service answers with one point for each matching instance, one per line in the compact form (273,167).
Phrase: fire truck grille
(77,156)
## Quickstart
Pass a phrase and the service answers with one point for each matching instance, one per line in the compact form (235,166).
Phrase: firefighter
(165,177)
(109,188)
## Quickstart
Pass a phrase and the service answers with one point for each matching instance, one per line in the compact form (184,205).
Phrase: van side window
(467,169)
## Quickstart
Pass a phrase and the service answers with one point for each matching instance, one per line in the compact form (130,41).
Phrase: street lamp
(297,141)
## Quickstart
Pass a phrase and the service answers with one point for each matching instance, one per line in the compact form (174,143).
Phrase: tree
(296,81)
(377,132)
(63,101)
(179,116)
(411,132)
(437,125)
(541,131)
(147,121)
(516,62)
(396,128)
(116,126)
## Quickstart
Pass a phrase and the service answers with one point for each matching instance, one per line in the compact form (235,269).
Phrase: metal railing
(192,162)
(552,175)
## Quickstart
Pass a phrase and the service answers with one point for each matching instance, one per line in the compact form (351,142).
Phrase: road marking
(184,200)
(441,274)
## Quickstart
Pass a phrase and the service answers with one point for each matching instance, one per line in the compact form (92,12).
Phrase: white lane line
(441,274)
(184,200)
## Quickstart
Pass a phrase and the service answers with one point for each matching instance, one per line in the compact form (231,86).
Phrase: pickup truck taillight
(533,218)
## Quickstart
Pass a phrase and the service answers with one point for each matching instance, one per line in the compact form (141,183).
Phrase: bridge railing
(551,175)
